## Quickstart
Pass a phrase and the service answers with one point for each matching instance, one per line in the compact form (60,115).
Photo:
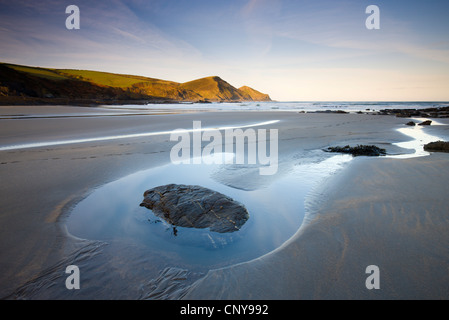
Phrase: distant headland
(24,85)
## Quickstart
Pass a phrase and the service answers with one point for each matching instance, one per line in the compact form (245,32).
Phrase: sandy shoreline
(377,211)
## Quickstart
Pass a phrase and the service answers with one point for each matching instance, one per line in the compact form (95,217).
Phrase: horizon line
(280,101)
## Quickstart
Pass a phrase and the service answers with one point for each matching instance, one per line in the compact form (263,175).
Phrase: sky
(294,50)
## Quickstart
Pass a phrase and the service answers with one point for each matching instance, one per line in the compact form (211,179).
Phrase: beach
(375,213)
(387,212)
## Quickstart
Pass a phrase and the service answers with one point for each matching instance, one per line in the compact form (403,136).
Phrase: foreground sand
(387,212)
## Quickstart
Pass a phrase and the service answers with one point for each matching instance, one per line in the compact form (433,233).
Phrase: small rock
(360,150)
(425,123)
(438,146)
(411,123)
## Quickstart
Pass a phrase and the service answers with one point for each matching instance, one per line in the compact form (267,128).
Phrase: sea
(292,106)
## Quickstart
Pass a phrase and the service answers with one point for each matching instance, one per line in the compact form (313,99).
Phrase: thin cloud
(113,31)
(283,47)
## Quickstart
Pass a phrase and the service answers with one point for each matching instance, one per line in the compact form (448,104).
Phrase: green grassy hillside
(44,83)
(38,72)
(215,89)
(254,94)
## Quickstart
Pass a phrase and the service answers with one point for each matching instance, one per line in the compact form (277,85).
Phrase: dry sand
(387,212)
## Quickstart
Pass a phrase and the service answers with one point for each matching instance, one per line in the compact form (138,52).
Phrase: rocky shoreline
(442,112)
(35,101)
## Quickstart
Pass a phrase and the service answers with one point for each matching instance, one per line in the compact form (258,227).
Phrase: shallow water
(277,210)
(288,106)
(419,139)
(112,213)
(124,136)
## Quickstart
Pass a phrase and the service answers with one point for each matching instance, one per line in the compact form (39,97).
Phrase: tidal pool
(420,138)
(112,212)
(276,208)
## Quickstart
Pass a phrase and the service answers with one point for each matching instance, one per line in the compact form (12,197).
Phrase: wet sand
(387,212)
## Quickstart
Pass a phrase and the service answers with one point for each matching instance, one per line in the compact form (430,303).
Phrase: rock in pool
(425,123)
(360,150)
(195,207)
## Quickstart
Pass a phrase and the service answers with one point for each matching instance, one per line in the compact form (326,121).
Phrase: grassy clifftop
(254,94)
(25,84)
(215,88)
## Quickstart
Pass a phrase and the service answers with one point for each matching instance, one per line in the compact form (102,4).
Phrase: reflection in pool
(420,138)
(113,213)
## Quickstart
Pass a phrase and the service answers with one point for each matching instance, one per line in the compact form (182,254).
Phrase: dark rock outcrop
(438,146)
(195,207)
(411,123)
(331,111)
(440,112)
(425,123)
(360,150)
